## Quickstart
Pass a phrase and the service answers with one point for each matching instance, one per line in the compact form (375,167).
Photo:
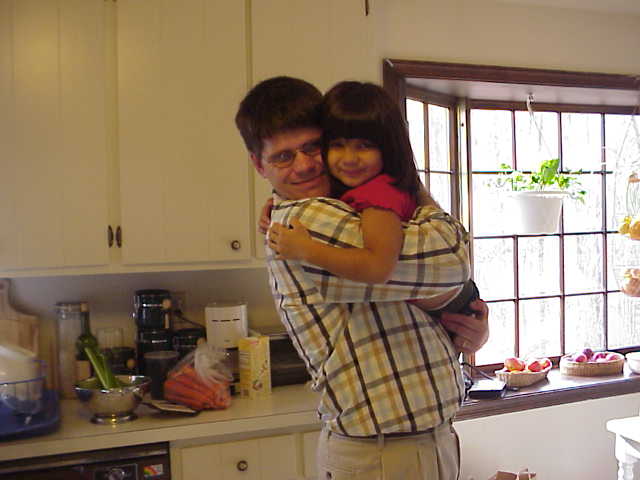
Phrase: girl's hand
(265,216)
(290,243)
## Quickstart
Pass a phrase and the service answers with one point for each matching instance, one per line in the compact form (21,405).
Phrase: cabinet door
(269,458)
(53,185)
(309,449)
(321,42)
(184,173)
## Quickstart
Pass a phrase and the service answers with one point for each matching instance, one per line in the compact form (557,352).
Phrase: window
(548,294)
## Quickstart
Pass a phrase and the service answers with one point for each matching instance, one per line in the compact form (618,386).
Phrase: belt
(389,435)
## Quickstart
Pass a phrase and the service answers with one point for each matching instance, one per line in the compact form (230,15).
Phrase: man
(387,373)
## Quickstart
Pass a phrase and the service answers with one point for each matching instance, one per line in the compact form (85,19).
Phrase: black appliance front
(145,462)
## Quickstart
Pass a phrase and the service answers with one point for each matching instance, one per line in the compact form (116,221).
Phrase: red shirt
(379,192)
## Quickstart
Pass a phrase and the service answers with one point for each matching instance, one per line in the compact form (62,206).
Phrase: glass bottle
(86,339)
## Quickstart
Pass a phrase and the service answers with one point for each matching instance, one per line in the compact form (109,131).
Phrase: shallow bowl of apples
(588,363)
(522,373)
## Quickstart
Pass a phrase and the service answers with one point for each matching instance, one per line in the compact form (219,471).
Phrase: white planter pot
(536,212)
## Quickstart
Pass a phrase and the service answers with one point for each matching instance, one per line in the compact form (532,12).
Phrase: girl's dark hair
(365,110)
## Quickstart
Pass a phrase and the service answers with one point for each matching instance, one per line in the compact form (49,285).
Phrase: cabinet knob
(242,465)
(119,236)
(235,245)
(110,236)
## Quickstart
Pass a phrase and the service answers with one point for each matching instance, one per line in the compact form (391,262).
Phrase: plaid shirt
(380,363)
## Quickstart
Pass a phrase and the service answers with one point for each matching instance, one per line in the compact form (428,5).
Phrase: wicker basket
(521,379)
(590,369)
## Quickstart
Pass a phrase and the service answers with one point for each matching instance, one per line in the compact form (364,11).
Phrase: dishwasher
(143,462)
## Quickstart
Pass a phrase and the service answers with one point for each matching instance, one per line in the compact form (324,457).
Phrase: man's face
(286,163)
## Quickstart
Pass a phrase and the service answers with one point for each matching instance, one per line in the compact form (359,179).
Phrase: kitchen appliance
(152,309)
(151,341)
(186,340)
(287,368)
(226,322)
(144,462)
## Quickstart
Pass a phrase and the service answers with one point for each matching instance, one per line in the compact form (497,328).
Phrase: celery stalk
(102,369)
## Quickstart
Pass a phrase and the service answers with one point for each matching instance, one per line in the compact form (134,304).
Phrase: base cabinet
(268,458)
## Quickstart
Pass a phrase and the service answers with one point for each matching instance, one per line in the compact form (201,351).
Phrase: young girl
(367,151)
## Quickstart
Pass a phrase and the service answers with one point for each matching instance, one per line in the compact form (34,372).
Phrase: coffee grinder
(152,314)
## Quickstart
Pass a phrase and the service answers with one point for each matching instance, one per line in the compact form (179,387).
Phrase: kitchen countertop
(291,407)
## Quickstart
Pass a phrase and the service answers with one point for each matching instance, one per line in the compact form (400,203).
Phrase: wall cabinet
(269,458)
(184,174)
(321,42)
(53,137)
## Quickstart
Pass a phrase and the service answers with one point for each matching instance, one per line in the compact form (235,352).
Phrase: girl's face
(354,161)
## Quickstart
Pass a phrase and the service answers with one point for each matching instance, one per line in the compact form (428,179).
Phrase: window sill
(557,389)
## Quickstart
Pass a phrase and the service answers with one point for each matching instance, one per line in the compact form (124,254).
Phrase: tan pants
(430,456)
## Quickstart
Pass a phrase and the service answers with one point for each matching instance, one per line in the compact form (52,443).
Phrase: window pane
(622,139)
(491,139)
(491,256)
(415,117)
(439,137)
(490,207)
(587,216)
(583,263)
(502,339)
(624,314)
(616,204)
(581,141)
(534,145)
(622,253)
(539,266)
(440,188)
(540,327)
(584,322)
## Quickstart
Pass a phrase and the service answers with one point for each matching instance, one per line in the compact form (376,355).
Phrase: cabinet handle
(242,465)
(366,8)
(119,236)
(110,236)
(235,245)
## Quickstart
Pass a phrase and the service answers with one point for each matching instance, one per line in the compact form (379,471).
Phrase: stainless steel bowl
(115,405)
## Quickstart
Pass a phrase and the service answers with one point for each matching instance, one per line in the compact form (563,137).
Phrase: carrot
(185,390)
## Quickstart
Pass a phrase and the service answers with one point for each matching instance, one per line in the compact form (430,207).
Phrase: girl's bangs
(353,128)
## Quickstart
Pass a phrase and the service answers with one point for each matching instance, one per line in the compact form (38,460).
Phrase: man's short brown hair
(274,106)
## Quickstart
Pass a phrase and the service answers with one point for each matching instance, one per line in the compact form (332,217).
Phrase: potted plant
(537,196)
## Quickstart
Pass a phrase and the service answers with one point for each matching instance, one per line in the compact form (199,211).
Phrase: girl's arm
(373,263)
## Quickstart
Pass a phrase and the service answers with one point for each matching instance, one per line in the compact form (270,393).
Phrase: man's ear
(257,163)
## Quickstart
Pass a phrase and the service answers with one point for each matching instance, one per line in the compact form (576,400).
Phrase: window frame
(396,74)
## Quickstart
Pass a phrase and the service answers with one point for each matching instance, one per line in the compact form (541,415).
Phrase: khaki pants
(430,456)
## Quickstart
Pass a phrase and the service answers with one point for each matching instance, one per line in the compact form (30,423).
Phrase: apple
(580,358)
(597,356)
(514,364)
(534,366)
(612,356)
(588,353)
(546,363)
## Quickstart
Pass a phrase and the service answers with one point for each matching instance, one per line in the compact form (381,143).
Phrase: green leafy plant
(546,178)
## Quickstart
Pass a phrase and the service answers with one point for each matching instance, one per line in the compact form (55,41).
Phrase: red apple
(534,366)
(612,356)
(597,356)
(588,353)
(514,364)
(581,358)
(546,363)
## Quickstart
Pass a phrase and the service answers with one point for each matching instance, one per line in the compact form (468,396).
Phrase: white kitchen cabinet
(309,449)
(184,173)
(268,458)
(53,139)
(321,42)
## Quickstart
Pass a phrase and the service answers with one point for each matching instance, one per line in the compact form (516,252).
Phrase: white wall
(564,442)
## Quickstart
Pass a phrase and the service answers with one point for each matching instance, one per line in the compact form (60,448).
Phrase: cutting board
(15,327)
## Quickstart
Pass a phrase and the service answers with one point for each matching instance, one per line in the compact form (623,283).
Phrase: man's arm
(434,258)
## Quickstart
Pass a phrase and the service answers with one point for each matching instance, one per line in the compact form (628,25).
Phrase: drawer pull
(242,465)
(235,245)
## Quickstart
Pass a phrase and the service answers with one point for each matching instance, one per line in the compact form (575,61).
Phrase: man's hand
(265,216)
(471,332)
(290,243)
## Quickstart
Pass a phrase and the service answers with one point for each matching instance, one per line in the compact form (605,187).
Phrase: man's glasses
(285,158)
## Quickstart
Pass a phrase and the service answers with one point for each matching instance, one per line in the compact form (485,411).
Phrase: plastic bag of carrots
(200,380)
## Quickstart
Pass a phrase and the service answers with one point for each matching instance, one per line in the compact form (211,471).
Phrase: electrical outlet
(179,300)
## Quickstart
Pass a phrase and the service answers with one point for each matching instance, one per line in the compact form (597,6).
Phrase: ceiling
(609,6)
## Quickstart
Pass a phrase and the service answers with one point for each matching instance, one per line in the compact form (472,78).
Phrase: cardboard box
(254,366)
